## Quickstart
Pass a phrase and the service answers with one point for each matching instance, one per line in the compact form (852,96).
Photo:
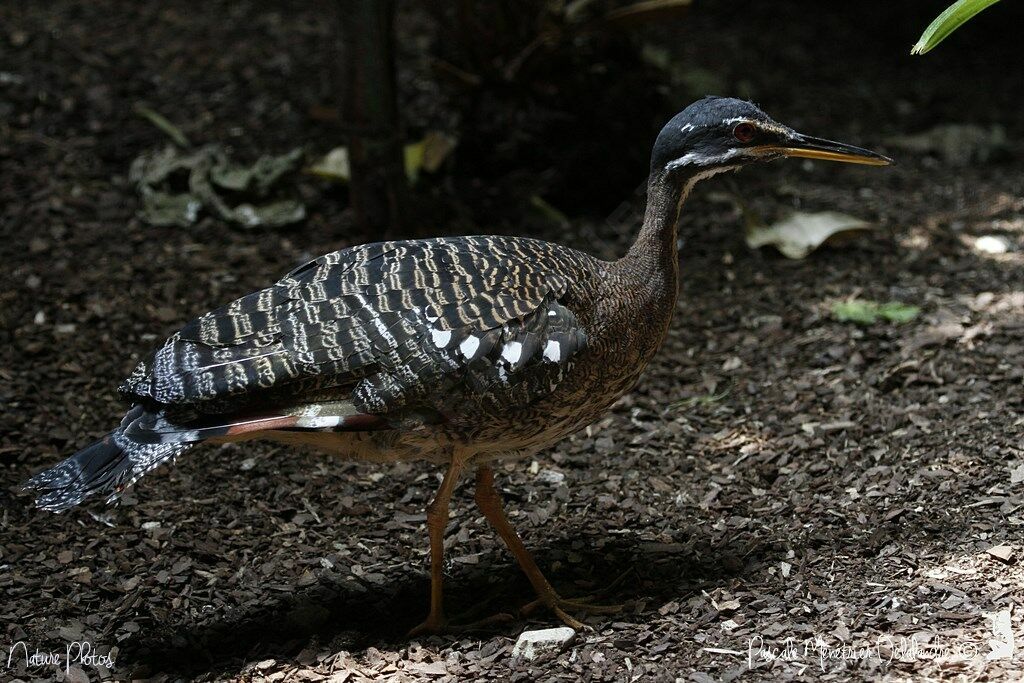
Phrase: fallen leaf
(161,122)
(177,186)
(1002,642)
(271,215)
(548,211)
(800,233)
(428,154)
(333,166)
(163,209)
(864,312)
(647,11)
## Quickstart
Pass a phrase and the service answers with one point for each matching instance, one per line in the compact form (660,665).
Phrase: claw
(561,606)
(435,627)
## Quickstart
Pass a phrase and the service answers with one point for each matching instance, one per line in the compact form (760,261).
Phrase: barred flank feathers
(107,466)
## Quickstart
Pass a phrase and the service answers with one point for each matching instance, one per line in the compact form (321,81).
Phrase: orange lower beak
(806,147)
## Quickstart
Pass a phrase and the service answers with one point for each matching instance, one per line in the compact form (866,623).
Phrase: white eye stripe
(764,126)
(699,159)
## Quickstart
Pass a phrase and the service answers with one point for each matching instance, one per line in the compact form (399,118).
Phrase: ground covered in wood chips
(784,496)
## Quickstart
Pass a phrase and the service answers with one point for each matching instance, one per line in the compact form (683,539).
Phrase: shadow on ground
(350,614)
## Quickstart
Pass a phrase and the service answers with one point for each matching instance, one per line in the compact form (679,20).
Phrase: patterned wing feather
(393,323)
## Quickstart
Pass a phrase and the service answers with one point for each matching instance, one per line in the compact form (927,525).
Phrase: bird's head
(719,134)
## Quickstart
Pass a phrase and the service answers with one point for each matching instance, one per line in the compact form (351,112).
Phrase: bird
(465,352)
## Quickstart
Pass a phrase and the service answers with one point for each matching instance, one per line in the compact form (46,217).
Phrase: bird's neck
(655,246)
(650,273)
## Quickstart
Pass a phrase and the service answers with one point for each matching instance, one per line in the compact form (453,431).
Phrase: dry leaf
(800,233)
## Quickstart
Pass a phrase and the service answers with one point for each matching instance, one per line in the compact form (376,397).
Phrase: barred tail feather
(147,438)
(107,466)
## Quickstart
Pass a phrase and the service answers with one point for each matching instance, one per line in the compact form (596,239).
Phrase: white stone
(533,643)
(550,477)
(992,244)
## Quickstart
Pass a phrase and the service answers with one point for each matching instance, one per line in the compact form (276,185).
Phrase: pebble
(992,244)
(550,477)
(533,643)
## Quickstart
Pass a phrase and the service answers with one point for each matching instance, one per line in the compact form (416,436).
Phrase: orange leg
(437,521)
(489,501)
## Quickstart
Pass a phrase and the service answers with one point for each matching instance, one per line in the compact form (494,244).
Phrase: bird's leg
(437,521)
(489,501)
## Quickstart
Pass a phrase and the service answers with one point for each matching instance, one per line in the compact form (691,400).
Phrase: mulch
(779,486)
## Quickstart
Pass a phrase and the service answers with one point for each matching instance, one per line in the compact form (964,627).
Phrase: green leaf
(231,177)
(268,170)
(863,312)
(334,166)
(548,211)
(274,214)
(161,122)
(947,22)
(428,154)
(705,400)
(208,170)
(163,209)
(648,11)
(895,312)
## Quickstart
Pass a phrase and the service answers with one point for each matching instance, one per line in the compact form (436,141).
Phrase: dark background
(696,488)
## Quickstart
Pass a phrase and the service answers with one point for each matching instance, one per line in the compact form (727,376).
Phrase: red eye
(744,132)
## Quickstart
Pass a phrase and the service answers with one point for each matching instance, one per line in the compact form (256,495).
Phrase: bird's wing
(393,325)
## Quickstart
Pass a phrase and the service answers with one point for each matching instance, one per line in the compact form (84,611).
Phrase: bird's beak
(805,146)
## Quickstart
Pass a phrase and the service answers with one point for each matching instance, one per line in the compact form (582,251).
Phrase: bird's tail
(147,438)
(107,466)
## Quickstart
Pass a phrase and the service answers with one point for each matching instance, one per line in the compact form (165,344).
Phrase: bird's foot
(437,626)
(433,625)
(486,622)
(562,606)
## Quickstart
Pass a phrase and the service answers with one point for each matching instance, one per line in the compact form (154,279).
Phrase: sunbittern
(462,351)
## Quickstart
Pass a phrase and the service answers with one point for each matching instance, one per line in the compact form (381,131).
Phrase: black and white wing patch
(397,324)
(473,369)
